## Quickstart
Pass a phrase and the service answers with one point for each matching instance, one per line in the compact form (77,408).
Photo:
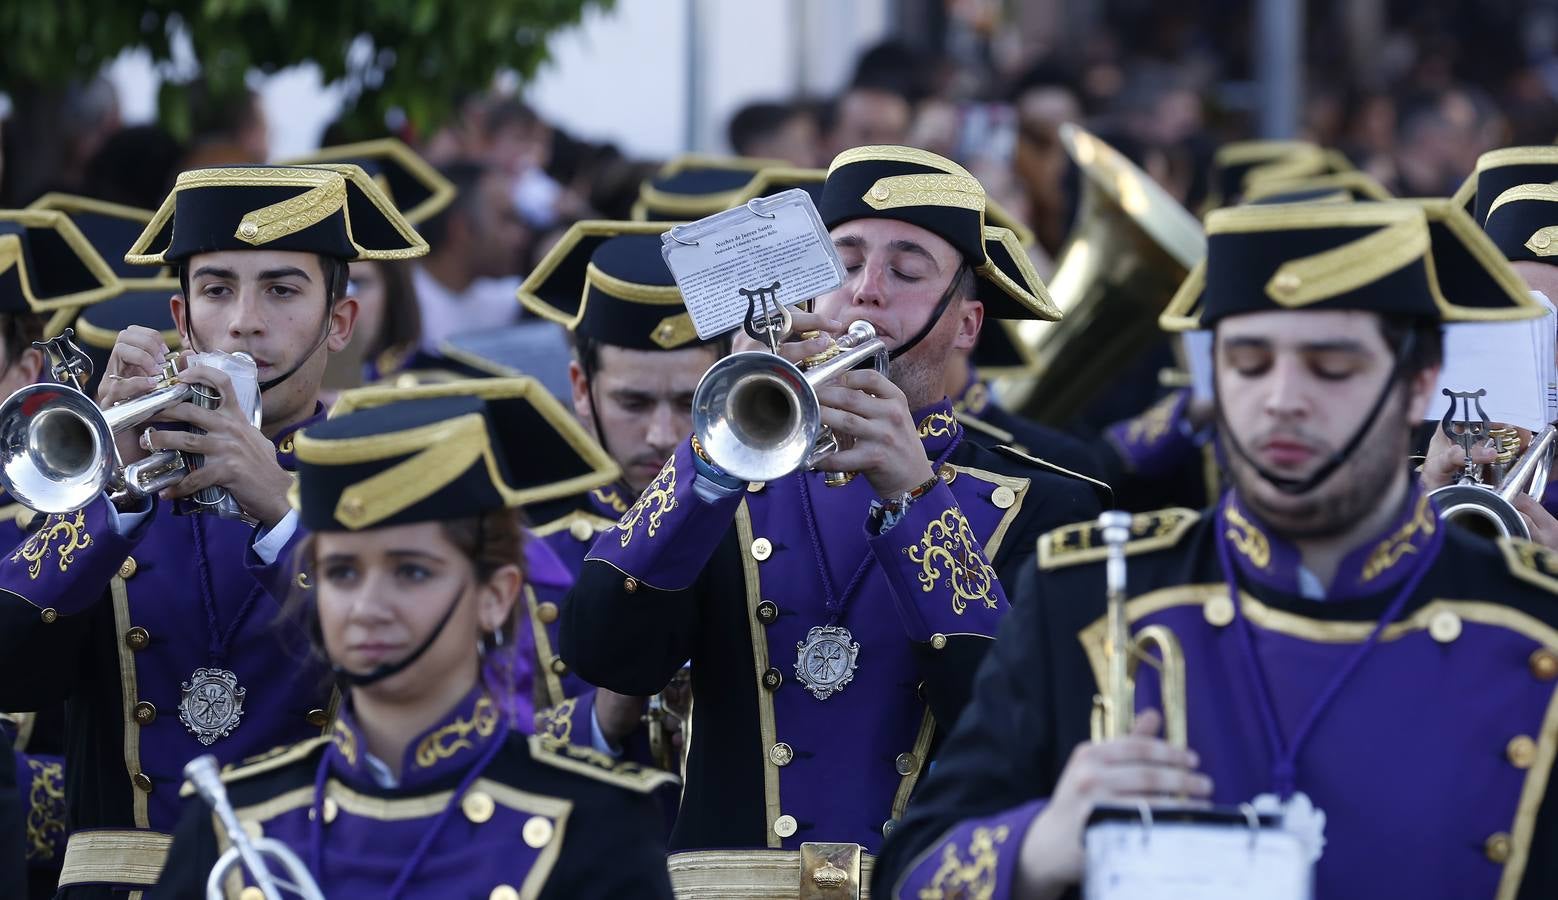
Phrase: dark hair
(466,177)
(401,324)
(758,121)
(587,350)
(490,541)
(505,112)
(334,271)
(1427,342)
(18,331)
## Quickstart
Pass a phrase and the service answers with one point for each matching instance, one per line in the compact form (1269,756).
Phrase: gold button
(784,826)
(537,831)
(772,679)
(317,718)
(1445,626)
(905,763)
(780,754)
(332,809)
(755,486)
(880,192)
(948,473)
(888,826)
(1521,751)
(1004,497)
(558,666)
(137,638)
(128,567)
(546,612)
(768,612)
(1544,664)
(142,781)
(251,893)
(1541,240)
(144,713)
(248,229)
(352,507)
(503,892)
(630,585)
(1497,847)
(477,807)
(49,615)
(1286,284)
(762,549)
(1218,611)
(938,641)
(581,530)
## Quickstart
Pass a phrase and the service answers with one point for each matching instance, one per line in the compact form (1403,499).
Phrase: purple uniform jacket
(737,585)
(113,626)
(1431,760)
(479,811)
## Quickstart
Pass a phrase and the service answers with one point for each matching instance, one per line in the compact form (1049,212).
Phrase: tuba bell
(1130,248)
(1114,707)
(57,449)
(1487,507)
(246,853)
(756,415)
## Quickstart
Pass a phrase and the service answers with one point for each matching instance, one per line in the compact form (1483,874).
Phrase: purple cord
(1284,768)
(216,647)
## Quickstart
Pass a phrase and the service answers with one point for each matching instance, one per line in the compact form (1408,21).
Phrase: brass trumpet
(57,449)
(1114,708)
(756,414)
(247,853)
(1488,508)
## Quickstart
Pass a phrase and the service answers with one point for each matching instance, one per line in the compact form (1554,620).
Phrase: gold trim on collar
(455,736)
(898,191)
(292,215)
(938,424)
(591,763)
(651,294)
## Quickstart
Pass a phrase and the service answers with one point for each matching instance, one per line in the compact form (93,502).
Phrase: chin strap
(324,335)
(935,314)
(1296,486)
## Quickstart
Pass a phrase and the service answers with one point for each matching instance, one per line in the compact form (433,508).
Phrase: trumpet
(1114,708)
(247,852)
(57,450)
(756,414)
(1490,509)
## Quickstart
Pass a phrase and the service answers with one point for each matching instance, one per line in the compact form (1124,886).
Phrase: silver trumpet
(756,414)
(1484,508)
(57,449)
(253,854)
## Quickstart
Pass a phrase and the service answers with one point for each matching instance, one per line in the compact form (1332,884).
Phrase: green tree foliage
(414,55)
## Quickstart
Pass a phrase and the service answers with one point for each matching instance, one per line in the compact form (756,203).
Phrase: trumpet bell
(756,415)
(56,448)
(1480,510)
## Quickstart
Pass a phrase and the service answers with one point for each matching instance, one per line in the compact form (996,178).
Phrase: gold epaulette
(1531,562)
(592,763)
(1084,542)
(268,761)
(1106,492)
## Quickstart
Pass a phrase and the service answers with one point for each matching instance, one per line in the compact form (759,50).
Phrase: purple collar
(1374,566)
(974,399)
(610,501)
(938,426)
(447,748)
(283,440)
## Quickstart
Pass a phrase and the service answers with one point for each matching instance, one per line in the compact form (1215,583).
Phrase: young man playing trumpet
(156,628)
(1336,639)
(830,628)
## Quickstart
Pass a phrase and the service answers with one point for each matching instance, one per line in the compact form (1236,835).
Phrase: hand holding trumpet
(1445,461)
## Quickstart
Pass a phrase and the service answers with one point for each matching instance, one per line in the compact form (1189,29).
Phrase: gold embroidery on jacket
(661,495)
(974,879)
(949,541)
(612,499)
(1151,425)
(345,741)
(45,810)
(483,721)
(71,534)
(1248,539)
(554,725)
(1389,552)
(937,424)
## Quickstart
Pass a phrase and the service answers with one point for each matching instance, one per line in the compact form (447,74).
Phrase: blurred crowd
(1411,93)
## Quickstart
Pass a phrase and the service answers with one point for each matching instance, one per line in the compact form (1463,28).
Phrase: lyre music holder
(1466,431)
(767,319)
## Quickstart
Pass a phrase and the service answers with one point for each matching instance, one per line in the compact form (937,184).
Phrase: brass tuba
(1114,707)
(57,449)
(246,853)
(1130,248)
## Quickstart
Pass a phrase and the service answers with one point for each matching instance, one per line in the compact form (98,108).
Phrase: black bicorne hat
(48,267)
(410,182)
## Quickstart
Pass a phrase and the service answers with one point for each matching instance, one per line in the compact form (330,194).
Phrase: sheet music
(1516,362)
(1191,861)
(1197,347)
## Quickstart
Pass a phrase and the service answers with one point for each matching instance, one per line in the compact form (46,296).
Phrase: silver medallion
(826,660)
(210,704)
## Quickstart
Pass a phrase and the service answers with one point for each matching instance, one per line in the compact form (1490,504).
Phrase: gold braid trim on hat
(898,191)
(291,216)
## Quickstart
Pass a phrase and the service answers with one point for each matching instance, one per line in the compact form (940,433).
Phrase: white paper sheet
(1513,361)
(1188,861)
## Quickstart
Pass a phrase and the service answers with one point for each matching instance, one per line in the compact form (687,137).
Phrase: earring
(497,637)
